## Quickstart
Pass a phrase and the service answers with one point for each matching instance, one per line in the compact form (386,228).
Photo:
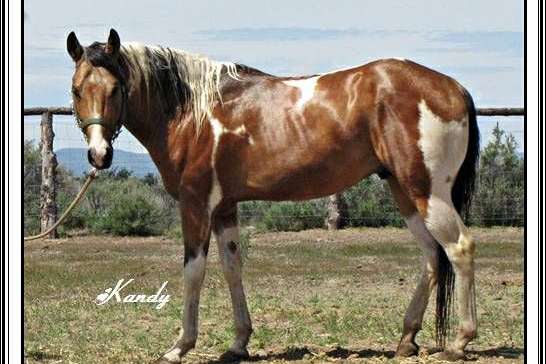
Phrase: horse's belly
(314,170)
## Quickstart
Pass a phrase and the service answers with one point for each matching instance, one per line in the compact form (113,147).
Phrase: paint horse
(221,133)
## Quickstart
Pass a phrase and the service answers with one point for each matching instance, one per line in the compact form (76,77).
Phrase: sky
(479,43)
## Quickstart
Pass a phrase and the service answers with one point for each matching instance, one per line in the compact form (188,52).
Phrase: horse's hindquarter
(420,131)
(296,138)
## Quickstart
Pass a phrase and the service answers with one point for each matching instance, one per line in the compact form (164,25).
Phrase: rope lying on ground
(92,175)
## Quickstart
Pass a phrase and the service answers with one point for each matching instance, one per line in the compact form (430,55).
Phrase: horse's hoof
(232,356)
(168,358)
(407,349)
(449,355)
(164,360)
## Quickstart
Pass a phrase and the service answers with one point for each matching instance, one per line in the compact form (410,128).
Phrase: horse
(222,132)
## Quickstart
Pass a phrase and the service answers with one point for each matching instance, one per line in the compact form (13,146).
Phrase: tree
(500,194)
(31,180)
(150,179)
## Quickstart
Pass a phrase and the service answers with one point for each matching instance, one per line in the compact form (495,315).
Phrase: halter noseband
(84,123)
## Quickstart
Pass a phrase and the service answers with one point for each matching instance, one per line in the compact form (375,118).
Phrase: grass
(315,296)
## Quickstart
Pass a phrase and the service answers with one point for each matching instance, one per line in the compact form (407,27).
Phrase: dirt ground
(314,296)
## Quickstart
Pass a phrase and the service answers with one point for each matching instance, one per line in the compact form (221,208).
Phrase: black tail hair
(461,195)
(444,296)
(463,189)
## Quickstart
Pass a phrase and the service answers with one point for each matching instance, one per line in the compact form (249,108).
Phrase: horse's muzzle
(100,160)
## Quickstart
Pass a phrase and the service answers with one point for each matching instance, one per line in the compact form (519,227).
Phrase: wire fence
(499,199)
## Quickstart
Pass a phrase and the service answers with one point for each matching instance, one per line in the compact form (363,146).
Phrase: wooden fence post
(48,205)
(336,211)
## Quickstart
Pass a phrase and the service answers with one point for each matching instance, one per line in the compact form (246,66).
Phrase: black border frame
(540,179)
(5,46)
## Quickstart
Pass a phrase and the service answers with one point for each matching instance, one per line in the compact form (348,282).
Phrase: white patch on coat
(306,87)
(231,266)
(385,83)
(218,129)
(194,271)
(414,314)
(229,234)
(241,131)
(443,144)
(417,227)
(428,244)
(339,70)
(97,142)
(215,195)
(230,262)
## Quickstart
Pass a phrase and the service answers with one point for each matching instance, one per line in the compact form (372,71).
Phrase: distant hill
(75,160)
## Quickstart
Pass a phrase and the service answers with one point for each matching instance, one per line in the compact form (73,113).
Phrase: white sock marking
(231,264)
(173,355)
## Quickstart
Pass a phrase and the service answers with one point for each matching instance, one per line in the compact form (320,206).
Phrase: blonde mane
(175,72)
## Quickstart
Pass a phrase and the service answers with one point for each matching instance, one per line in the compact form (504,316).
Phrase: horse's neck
(149,130)
(147,125)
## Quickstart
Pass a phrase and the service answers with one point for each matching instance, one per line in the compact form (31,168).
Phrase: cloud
(286,34)
(478,69)
(495,41)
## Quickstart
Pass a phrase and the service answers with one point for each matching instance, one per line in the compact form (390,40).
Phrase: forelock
(97,56)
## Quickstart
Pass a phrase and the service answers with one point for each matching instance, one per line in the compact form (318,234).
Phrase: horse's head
(99,95)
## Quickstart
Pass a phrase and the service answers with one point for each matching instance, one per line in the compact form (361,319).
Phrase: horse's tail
(444,296)
(461,194)
(463,189)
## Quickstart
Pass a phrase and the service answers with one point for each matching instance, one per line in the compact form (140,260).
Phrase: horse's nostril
(90,156)
(107,161)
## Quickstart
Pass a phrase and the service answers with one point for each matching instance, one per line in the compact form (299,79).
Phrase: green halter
(84,123)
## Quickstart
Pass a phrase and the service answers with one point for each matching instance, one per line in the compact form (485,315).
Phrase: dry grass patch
(315,296)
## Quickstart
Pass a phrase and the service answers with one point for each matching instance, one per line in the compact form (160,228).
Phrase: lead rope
(92,175)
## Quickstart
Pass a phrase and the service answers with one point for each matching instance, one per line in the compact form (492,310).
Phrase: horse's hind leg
(430,249)
(445,224)
(227,237)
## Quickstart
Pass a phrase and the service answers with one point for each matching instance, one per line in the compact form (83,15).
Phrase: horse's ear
(74,47)
(112,47)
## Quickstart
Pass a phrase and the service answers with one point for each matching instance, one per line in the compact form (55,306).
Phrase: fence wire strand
(498,200)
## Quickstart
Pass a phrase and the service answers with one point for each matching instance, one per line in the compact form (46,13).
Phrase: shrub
(130,215)
(127,207)
(369,203)
(294,216)
(252,212)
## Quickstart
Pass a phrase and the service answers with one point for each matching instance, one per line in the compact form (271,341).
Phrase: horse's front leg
(227,237)
(196,228)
